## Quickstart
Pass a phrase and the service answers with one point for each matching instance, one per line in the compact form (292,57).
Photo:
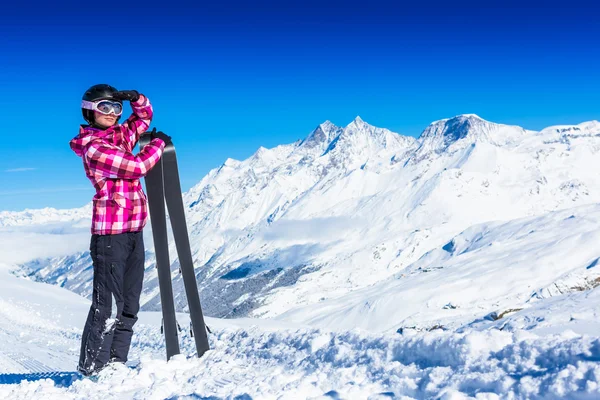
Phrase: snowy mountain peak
(359,121)
(260,153)
(584,128)
(321,136)
(230,162)
(327,126)
(358,124)
(359,143)
(439,135)
(455,128)
(461,117)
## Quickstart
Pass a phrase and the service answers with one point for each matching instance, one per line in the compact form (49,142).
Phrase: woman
(118,218)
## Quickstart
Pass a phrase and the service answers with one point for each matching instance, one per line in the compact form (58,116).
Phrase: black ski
(162,183)
(172,187)
(158,219)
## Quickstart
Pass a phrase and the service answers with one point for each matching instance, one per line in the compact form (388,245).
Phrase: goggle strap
(88,105)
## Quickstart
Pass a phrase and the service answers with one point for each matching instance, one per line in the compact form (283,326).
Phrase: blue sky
(225,79)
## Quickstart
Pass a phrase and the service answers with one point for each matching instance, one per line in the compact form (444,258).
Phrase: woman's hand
(130,95)
(161,135)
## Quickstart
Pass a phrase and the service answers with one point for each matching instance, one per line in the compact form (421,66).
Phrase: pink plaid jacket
(120,204)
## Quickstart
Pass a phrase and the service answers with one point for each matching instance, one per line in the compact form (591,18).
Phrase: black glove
(161,135)
(131,95)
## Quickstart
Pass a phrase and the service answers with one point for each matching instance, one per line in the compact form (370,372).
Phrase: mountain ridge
(296,225)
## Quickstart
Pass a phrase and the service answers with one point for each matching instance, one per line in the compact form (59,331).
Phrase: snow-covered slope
(347,211)
(30,314)
(485,273)
(259,359)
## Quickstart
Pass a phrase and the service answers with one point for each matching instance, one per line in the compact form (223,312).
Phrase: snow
(265,359)
(37,324)
(41,216)
(491,267)
(357,263)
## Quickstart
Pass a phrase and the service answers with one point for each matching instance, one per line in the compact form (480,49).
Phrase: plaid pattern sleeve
(112,162)
(139,121)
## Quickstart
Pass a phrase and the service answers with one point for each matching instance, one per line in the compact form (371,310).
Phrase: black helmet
(95,93)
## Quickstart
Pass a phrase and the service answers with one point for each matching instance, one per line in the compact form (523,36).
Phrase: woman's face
(103,120)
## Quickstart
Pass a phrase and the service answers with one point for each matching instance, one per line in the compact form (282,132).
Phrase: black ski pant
(118,262)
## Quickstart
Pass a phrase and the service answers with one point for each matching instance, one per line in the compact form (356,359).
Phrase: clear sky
(225,79)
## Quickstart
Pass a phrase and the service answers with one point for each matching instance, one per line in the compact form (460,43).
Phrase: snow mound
(314,364)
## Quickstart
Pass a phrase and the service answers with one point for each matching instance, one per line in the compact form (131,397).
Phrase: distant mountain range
(361,226)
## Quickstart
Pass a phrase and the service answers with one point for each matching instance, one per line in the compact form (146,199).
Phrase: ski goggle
(105,107)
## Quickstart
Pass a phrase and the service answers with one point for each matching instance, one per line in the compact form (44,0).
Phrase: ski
(163,185)
(156,206)
(174,201)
